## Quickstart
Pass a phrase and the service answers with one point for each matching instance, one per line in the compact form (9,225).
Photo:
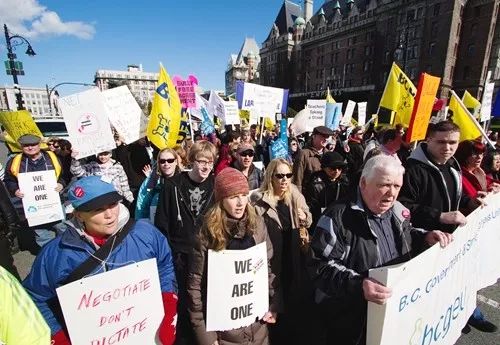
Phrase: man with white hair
(371,230)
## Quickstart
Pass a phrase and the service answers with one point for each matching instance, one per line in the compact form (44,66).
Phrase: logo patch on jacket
(405,214)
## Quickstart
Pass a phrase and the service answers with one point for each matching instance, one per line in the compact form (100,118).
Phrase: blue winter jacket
(65,253)
(147,198)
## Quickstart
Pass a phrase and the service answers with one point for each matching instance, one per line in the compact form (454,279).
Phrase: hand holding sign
(375,292)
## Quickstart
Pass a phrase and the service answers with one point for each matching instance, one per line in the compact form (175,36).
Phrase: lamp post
(14,67)
(53,88)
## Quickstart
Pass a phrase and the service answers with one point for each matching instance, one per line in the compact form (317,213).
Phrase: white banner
(361,113)
(486,101)
(237,288)
(346,119)
(432,305)
(265,100)
(299,123)
(41,202)
(119,306)
(201,103)
(125,114)
(87,122)
(317,110)
(216,105)
(231,113)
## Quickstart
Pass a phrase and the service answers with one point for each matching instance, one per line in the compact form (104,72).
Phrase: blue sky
(73,38)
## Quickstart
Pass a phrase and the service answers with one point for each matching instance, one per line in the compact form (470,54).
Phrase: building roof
(329,8)
(249,46)
(285,19)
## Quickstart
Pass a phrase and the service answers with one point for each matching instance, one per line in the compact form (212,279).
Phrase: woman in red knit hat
(231,223)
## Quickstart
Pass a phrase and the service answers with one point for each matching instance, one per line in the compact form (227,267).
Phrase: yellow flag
(329,98)
(399,94)
(165,117)
(268,123)
(471,103)
(463,119)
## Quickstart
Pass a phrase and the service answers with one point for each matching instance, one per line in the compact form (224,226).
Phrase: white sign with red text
(122,306)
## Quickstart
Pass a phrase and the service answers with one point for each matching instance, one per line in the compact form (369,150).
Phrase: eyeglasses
(163,161)
(55,146)
(248,153)
(282,176)
(293,144)
(205,163)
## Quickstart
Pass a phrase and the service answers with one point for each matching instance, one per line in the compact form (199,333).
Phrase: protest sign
(185,90)
(244,296)
(125,114)
(299,124)
(216,105)
(349,110)
(431,305)
(361,113)
(317,110)
(201,103)
(231,113)
(265,100)
(422,109)
(487,101)
(41,201)
(123,306)
(87,122)
(333,115)
(18,123)
(278,149)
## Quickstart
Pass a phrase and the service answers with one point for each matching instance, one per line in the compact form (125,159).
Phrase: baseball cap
(91,193)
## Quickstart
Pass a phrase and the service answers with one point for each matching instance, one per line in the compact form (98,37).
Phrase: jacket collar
(420,154)
(397,210)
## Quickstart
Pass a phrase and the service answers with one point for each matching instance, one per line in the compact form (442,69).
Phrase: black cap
(29,139)
(323,130)
(332,160)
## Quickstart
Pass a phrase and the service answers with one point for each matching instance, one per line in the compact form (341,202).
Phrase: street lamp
(51,90)
(14,67)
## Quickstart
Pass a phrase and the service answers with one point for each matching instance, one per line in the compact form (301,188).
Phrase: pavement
(488,302)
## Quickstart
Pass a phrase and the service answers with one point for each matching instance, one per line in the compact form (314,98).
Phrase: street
(488,301)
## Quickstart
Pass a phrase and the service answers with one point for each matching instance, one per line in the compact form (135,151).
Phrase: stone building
(349,46)
(243,66)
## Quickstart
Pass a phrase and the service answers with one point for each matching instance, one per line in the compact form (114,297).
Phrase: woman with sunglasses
(167,165)
(244,163)
(287,216)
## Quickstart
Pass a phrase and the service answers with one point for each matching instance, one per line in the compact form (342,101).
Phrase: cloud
(29,18)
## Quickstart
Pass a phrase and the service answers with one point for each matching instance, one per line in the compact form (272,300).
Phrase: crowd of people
(340,203)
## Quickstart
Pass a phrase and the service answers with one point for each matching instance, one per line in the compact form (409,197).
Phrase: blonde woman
(231,223)
(285,213)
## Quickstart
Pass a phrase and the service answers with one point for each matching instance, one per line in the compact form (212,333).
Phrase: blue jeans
(477,315)
(43,236)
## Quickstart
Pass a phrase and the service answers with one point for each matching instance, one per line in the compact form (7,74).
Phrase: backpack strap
(100,255)
(55,163)
(16,164)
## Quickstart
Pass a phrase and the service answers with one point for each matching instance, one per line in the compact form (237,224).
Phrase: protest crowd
(337,201)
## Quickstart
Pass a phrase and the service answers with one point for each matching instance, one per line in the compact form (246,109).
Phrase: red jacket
(471,184)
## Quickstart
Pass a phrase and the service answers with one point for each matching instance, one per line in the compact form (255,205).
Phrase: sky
(75,38)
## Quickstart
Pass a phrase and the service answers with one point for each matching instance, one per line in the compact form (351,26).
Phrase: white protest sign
(243,296)
(201,103)
(254,117)
(346,119)
(361,113)
(317,110)
(431,305)
(87,122)
(41,202)
(216,105)
(122,305)
(486,101)
(299,124)
(125,114)
(265,100)
(231,113)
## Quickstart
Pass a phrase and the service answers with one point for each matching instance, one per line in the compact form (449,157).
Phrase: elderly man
(371,230)
(244,163)
(100,237)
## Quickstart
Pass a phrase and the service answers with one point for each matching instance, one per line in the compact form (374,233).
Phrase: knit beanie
(230,182)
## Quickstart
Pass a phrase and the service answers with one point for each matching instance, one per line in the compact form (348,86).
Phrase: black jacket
(174,217)
(9,223)
(344,248)
(425,192)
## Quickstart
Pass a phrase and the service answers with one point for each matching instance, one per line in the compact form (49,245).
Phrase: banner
(41,201)
(265,100)
(201,103)
(432,305)
(231,113)
(87,122)
(299,123)
(165,117)
(422,111)
(125,114)
(399,95)
(317,110)
(469,128)
(185,90)
(361,113)
(207,126)
(243,297)
(122,306)
(18,123)
(349,110)
(216,104)
(487,101)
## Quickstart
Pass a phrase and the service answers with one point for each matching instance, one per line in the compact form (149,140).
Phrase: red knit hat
(230,182)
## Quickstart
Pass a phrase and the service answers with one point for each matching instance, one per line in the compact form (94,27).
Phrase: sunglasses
(281,176)
(248,153)
(163,161)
